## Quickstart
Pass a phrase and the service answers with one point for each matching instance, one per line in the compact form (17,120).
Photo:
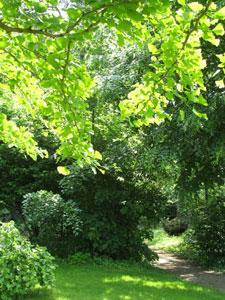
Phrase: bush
(116,216)
(51,221)
(205,242)
(21,175)
(175,226)
(22,266)
(80,258)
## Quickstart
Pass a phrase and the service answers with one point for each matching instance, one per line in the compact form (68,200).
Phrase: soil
(188,271)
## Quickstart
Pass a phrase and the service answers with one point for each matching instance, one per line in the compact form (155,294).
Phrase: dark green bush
(116,216)
(170,210)
(52,222)
(22,266)
(20,175)
(80,258)
(205,242)
(175,226)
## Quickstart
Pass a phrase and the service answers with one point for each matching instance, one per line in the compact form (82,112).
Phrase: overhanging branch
(12,29)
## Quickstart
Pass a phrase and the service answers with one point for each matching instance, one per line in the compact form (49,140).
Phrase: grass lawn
(129,282)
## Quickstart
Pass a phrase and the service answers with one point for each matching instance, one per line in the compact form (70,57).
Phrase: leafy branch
(193,28)
(195,22)
(99,10)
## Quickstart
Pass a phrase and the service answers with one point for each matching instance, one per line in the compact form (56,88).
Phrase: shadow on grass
(109,283)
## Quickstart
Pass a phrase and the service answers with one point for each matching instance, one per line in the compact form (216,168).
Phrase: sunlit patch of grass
(131,282)
(163,241)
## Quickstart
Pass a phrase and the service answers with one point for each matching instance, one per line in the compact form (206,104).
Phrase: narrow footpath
(188,271)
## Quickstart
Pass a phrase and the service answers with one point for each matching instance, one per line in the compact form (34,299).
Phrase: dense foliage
(137,85)
(175,226)
(52,222)
(47,81)
(20,175)
(22,266)
(116,216)
(205,240)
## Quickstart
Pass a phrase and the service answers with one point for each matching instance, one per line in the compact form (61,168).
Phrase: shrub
(5,215)
(80,258)
(175,226)
(22,266)
(116,216)
(51,221)
(21,174)
(206,241)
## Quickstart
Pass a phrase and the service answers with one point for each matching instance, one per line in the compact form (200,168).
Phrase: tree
(41,74)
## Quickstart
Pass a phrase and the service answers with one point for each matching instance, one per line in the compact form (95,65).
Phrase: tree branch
(48,33)
(194,27)
(11,29)
(196,22)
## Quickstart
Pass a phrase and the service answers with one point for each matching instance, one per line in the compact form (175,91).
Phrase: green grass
(131,282)
(165,242)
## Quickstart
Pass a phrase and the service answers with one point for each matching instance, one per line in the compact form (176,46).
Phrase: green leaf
(101,170)
(219,30)
(182,115)
(181,2)
(199,114)
(3,44)
(152,48)
(73,13)
(210,37)
(40,7)
(63,170)
(196,6)
(98,155)
(220,84)
(220,14)
(202,100)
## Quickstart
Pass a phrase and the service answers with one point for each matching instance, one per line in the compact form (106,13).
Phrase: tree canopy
(43,76)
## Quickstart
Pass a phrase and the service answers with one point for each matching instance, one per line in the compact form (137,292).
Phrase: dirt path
(190,272)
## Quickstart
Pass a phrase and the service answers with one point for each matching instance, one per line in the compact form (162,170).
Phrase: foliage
(164,241)
(205,241)
(116,216)
(80,258)
(191,148)
(68,66)
(52,222)
(21,175)
(116,281)
(22,266)
(176,62)
(119,157)
(45,79)
(175,226)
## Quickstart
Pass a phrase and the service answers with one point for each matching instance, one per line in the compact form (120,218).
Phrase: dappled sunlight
(151,283)
(111,283)
(162,240)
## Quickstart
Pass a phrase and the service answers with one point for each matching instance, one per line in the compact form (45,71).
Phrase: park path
(188,271)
